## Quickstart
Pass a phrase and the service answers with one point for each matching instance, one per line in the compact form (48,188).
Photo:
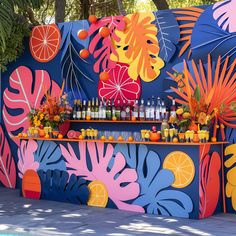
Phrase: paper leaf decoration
(101,48)
(75,70)
(120,85)
(59,186)
(210,166)
(26,157)
(113,178)
(187,18)
(139,47)
(7,164)
(231,174)
(48,155)
(209,38)
(25,92)
(224,13)
(168,34)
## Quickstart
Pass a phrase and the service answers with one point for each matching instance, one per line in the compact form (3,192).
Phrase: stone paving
(19,216)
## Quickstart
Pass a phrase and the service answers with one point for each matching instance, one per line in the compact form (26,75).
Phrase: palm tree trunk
(60,8)
(161,4)
(121,7)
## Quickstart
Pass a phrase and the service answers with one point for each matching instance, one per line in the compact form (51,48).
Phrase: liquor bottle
(158,109)
(113,109)
(100,111)
(163,110)
(92,109)
(74,110)
(135,111)
(88,111)
(108,110)
(78,112)
(104,110)
(118,110)
(96,110)
(152,109)
(128,111)
(142,111)
(123,111)
(173,109)
(84,110)
(147,110)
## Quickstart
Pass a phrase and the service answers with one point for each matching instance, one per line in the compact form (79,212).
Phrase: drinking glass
(207,136)
(95,134)
(137,136)
(143,132)
(172,131)
(191,135)
(187,135)
(166,134)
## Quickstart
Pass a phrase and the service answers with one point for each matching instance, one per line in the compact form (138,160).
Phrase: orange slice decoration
(45,42)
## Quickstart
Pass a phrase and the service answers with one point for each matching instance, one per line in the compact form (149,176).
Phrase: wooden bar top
(115,141)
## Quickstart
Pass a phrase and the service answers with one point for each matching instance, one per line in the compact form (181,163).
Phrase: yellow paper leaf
(139,47)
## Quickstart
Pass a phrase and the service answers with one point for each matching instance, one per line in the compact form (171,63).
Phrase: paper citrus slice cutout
(182,166)
(45,41)
(98,194)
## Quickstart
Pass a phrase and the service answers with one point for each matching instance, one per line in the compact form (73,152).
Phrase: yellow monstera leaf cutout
(138,47)
(231,174)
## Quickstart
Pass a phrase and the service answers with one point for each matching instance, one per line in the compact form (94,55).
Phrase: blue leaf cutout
(75,69)
(154,183)
(49,156)
(209,38)
(59,186)
(168,33)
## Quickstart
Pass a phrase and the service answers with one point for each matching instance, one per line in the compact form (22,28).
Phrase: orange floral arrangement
(52,113)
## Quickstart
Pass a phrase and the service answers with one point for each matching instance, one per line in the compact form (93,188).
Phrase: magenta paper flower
(120,85)
(112,177)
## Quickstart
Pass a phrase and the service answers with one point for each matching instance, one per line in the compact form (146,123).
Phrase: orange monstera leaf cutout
(139,47)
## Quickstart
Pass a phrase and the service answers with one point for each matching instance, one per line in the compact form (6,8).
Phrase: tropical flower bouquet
(52,113)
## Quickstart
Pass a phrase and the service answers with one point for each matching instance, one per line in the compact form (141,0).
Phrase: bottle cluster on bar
(96,109)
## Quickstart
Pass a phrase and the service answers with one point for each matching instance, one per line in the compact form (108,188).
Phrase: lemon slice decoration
(182,166)
(98,194)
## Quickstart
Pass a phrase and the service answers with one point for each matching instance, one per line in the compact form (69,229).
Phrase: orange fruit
(103,138)
(175,140)
(82,34)
(41,133)
(98,194)
(60,136)
(81,137)
(182,167)
(213,139)
(47,136)
(45,42)
(133,118)
(120,138)
(24,135)
(92,19)
(104,76)
(130,139)
(88,117)
(104,32)
(84,53)
(111,138)
(20,135)
(114,118)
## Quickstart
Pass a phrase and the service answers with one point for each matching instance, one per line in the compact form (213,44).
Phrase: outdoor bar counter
(172,179)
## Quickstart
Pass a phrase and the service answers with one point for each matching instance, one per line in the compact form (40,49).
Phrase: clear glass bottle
(135,111)
(84,110)
(96,110)
(108,110)
(93,109)
(158,110)
(104,109)
(142,111)
(163,110)
(152,109)
(88,111)
(173,109)
(100,111)
(118,110)
(78,112)
(128,111)
(148,109)
(113,109)
(123,111)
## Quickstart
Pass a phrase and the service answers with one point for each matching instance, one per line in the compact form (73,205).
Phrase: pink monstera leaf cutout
(224,13)
(25,93)
(26,157)
(210,181)
(119,85)
(7,164)
(100,161)
(102,53)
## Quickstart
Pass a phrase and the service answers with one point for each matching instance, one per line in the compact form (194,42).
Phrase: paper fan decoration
(119,85)
(45,42)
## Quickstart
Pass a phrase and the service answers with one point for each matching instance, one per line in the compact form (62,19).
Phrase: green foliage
(14,44)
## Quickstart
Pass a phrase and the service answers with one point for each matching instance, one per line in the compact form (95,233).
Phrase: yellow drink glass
(166,134)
